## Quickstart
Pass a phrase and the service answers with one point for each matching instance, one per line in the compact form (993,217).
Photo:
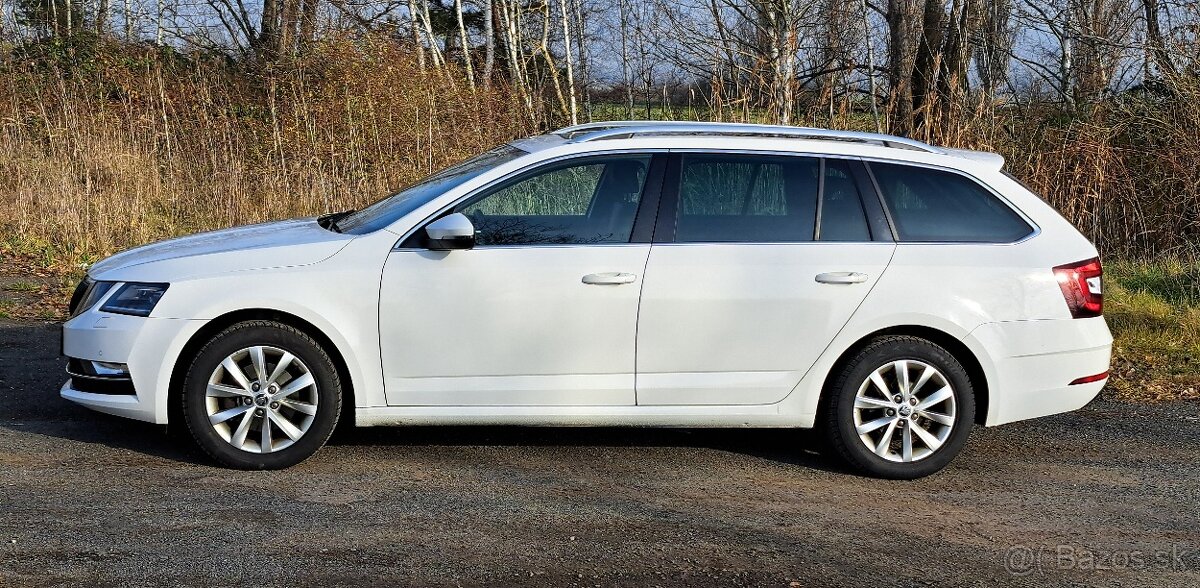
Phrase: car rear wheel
(901,408)
(261,395)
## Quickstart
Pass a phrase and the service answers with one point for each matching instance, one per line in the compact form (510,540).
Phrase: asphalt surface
(1109,495)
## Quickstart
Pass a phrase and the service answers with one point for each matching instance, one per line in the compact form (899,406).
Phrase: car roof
(740,136)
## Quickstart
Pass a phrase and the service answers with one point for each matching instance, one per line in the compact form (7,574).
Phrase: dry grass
(144,147)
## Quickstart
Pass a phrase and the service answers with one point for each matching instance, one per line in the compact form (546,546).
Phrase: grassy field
(1153,309)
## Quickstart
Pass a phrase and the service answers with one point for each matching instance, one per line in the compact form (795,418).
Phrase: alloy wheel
(905,410)
(261,399)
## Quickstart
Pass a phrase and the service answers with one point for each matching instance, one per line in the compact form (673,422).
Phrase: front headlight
(135,298)
(86,295)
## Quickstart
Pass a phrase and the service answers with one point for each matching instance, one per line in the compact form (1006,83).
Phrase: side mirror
(453,231)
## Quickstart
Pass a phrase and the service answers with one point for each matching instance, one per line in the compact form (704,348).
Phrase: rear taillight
(1081,286)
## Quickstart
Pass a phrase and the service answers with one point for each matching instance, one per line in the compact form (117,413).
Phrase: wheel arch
(952,344)
(224,321)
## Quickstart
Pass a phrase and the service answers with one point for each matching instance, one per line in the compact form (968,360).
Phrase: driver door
(543,309)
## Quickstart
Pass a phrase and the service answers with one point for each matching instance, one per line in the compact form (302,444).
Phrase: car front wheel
(261,395)
(901,408)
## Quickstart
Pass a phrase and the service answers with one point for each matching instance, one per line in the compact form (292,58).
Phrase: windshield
(392,208)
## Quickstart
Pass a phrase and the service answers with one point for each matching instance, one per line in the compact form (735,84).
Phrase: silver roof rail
(619,129)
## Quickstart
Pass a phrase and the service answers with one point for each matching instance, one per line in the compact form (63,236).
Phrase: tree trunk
(489,42)
(1066,65)
(415,30)
(871,67)
(585,67)
(1154,38)
(466,46)
(899,19)
(158,28)
(101,16)
(287,30)
(626,76)
(434,51)
(995,46)
(953,71)
(268,30)
(925,68)
(308,23)
(566,31)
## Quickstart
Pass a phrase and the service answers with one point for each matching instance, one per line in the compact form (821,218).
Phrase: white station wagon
(887,292)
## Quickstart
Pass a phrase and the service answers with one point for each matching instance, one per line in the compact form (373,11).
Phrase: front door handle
(841,278)
(609,279)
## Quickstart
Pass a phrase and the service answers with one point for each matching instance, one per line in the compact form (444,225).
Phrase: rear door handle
(841,278)
(609,279)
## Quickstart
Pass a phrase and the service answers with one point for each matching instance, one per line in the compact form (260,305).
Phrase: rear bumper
(1034,362)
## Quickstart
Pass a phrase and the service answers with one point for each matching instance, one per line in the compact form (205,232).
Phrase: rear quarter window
(935,205)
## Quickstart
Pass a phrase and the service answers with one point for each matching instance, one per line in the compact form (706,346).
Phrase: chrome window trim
(1036,229)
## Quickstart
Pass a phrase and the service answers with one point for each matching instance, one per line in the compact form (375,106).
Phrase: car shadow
(31,371)
(785,446)
(797,447)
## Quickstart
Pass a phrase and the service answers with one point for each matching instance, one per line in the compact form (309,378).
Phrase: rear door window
(747,199)
(934,205)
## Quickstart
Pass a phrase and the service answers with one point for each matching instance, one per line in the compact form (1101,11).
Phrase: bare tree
(489,42)
(995,46)
(466,46)
(566,36)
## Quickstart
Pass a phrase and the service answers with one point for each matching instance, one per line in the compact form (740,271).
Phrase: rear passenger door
(758,261)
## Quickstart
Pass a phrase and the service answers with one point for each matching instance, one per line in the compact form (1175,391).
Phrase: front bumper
(148,346)
(125,406)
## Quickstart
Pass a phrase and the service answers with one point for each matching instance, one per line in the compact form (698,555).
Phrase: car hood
(274,244)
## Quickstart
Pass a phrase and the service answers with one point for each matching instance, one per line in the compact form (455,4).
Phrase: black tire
(328,394)
(838,418)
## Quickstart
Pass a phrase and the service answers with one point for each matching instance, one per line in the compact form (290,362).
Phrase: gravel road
(1109,495)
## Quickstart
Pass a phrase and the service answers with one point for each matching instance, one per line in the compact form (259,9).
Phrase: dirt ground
(1109,495)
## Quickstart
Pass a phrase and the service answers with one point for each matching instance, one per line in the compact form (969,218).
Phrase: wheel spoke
(227,414)
(238,439)
(284,361)
(264,445)
(906,443)
(925,375)
(868,402)
(235,372)
(301,407)
(935,398)
(258,358)
(885,442)
(937,417)
(865,428)
(926,437)
(880,384)
(901,368)
(223,391)
(288,428)
(292,387)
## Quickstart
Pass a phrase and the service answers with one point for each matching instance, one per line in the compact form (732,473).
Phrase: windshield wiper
(330,221)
